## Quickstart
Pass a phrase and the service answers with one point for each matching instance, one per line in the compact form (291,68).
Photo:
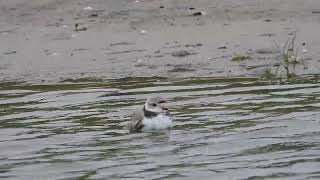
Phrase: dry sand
(125,38)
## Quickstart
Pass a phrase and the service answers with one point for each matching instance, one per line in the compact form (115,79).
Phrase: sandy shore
(170,38)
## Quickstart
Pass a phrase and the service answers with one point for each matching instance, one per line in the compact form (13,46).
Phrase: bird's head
(156,104)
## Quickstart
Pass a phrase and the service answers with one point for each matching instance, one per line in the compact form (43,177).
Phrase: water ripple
(236,128)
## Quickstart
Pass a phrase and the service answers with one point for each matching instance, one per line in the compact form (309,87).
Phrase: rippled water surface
(223,129)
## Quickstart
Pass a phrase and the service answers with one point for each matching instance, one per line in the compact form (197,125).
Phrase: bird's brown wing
(135,124)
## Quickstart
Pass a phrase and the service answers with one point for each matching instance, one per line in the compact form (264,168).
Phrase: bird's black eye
(154,104)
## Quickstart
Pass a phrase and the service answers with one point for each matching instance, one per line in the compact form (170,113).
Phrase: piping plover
(153,115)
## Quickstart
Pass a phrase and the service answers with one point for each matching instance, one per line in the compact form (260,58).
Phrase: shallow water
(236,128)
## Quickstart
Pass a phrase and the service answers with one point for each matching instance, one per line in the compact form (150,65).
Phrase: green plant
(289,57)
(238,57)
(267,74)
(285,69)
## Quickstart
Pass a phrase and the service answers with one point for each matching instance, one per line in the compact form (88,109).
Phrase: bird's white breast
(155,123)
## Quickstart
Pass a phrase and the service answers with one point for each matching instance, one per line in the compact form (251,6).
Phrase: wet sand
(168,38)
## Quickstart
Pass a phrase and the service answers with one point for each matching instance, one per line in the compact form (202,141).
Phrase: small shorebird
(154,115)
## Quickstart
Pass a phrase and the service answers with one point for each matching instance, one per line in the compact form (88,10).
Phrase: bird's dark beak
(164,107)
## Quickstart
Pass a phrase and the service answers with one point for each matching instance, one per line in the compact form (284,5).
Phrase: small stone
(87,8)
(180,53)
(222,47)
(140,63)
(82,29)
(94,15)
(77,28)
(193,45)
(182,68)
(10,52)
(143,31)
(267,34)
(267,51)
(199,13)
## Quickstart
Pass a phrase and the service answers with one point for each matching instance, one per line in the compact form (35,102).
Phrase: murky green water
(224,129)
